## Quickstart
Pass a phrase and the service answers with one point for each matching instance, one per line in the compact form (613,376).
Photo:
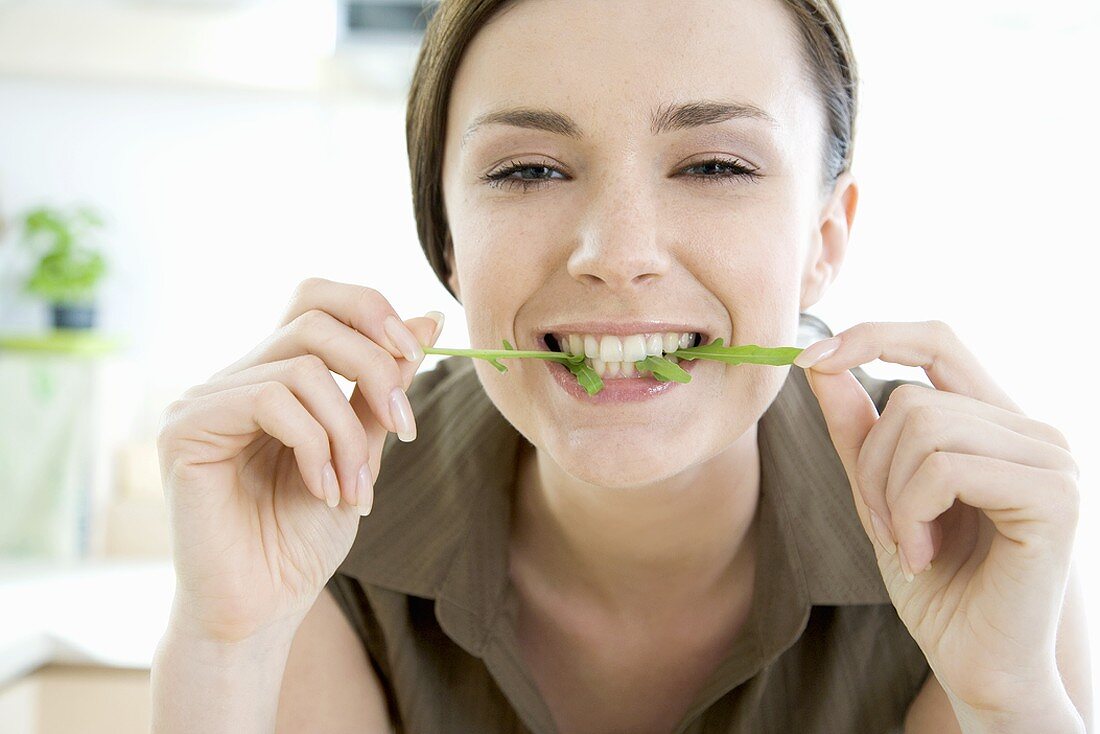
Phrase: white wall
(977,154)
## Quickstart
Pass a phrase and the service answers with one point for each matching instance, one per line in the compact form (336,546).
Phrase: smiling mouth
(614,356)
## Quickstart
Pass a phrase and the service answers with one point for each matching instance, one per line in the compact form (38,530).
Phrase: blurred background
(171,169)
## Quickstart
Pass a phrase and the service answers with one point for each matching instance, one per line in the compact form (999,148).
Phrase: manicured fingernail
(364,491)
(403,339)
(816,352)
(904,565)
(882,532)
(401,412)
(330,485)
(437,316)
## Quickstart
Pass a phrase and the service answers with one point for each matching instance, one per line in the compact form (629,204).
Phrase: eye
(733,169)
(727,168)
(502,177)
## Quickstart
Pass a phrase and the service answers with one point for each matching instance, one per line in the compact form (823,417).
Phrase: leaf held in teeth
(588,378)
(660,367)
(664,369)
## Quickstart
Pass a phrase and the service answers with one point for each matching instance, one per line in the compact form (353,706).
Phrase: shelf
(62,341)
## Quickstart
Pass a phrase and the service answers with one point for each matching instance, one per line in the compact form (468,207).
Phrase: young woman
(762,549)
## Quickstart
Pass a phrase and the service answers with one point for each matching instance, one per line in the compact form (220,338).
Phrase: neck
(684,537)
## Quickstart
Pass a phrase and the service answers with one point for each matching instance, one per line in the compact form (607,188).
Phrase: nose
(618,243)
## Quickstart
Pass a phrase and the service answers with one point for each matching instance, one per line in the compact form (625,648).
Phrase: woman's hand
(960,479)
(256,460)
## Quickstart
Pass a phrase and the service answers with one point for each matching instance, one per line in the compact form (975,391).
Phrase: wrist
(1063,721)
(1052,712)
(183,633)
(211,685)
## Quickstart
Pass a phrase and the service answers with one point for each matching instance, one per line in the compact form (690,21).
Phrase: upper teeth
(633,348)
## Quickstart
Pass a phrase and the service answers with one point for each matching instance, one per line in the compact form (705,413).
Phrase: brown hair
(827,55)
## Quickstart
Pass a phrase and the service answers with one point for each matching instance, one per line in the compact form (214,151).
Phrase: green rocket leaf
(661,368)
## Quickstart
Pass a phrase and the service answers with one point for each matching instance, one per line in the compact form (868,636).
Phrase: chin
(624,458)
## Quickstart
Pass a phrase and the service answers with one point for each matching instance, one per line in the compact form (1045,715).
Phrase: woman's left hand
(961,479)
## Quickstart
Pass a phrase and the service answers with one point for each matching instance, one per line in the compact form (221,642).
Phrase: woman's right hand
(256,460)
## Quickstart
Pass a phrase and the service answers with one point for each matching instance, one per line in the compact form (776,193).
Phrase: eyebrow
(665,118)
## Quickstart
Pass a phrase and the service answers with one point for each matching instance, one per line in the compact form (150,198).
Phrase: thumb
(850,414)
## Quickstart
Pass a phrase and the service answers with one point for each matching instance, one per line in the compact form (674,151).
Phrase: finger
(310,380)
(376,434)
(881,442)
(912,427)
(1023,502)
(930,345)
(930,429)
(346,352)
(217,426)
(849,414)
(361,308)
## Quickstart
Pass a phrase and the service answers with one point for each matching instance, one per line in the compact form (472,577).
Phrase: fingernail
(816,352)
(904,565)
(882,532)
(364,491)
(330,485)
(437,316)
(403,339)
(401,412)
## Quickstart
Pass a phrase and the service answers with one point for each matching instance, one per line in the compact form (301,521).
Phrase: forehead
(609,63)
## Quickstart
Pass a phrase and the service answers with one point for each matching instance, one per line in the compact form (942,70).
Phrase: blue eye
(734,169)
(502,178)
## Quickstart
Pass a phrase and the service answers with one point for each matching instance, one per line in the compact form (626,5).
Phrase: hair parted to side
(828,61)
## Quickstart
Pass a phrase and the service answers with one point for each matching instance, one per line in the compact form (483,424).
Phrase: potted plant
(68,271)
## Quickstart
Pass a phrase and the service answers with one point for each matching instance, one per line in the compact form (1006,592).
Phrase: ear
(452,278)
(829,241)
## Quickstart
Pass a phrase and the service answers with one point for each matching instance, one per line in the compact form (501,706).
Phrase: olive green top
(426,585)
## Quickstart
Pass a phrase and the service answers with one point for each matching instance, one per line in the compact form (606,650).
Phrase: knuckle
(300,296)
(938,465)
(369,299)
(906,397)
(271,392)
(307,287)
(309,321)
(1066,502)
(866,330)
(942,328)
(308,366)
(318,438)
(170,416)
(1067,486)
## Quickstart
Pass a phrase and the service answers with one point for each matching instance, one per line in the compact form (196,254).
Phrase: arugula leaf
(661,368)
(588,378)
(743,354)
(664,369)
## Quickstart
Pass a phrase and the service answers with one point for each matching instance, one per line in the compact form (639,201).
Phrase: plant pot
(74,315)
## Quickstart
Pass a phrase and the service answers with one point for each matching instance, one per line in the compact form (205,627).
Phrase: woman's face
(607,220)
